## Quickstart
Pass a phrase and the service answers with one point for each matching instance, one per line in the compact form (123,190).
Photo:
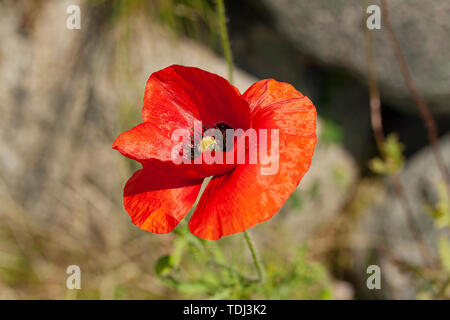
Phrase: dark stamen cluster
(222,127)
(192,151)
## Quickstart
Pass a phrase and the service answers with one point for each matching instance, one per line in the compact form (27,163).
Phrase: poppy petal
(178,95)
(144,142)
(157,200)
(243,198)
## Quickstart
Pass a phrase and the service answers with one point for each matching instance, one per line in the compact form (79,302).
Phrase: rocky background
(66,94)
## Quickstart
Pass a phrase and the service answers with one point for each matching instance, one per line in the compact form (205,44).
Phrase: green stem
(224,38)
(229,58)
(214,261)
(256,261)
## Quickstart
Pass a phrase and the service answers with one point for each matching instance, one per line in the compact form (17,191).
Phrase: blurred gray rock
(385,229)
(334,32)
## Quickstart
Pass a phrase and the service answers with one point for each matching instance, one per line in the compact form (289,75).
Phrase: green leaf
(163,266)
(378,166)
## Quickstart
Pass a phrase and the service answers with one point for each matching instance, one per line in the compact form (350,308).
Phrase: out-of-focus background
(65,95)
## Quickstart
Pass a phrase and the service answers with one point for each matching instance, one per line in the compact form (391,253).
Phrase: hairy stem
(224,38)
(256,261)
(374,91)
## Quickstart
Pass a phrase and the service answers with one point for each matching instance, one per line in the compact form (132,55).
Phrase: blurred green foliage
(441,216)
(392,159)
(441,211)
(330,132)
(196,19)
(432,283)
(198,268)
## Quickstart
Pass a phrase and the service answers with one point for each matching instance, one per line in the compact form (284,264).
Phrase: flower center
(208,143)
(224,145)
(200,143)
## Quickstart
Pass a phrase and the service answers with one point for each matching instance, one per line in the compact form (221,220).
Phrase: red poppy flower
(238,196)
